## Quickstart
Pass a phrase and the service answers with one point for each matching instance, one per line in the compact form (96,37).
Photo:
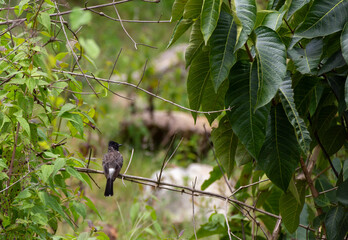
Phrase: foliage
(283,79)
(41,110)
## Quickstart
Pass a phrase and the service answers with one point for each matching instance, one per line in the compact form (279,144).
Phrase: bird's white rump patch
(111,171)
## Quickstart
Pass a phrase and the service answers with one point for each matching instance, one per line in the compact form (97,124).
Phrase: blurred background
(151,127)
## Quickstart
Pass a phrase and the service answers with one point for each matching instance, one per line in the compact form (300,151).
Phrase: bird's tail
(109,189)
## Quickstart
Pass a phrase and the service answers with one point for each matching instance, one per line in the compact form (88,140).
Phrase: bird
(112,164)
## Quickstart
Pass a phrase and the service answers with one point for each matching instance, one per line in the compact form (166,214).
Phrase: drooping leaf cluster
(281,73)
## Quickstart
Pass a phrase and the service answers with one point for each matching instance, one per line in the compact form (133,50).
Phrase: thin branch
(326,191)
(142,76)
(193,208)
(124,29)
(164,160)
(129,163)
(143,90)
(228,225)
(13,155)
(184,190)
(72,51)
(113,67)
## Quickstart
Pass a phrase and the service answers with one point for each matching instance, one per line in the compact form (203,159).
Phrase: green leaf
(193,9)
(290,209)
(198,76)
(333,138)
(179,30)
(91,205)
(221,56)
(273,20)
(271,64)
(24,125)
(2,164)
(66,108)
(24,194)
(74,173)
(342,193)
(225,144)
(303,92)
(215,175)
(46,171)
(78,17)
(75,120)
(280,153)
(344,42)
(212,101)
(336,223)
(196,43)
(91,47)
(178,9)
(80,208)
(287,97)
(246,13)
(209,17)
(58,164)
(323,18)
(307,60)
(45,20)
(249,125)
(296,5)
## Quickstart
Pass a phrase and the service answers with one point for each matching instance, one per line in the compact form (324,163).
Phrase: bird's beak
(119,145)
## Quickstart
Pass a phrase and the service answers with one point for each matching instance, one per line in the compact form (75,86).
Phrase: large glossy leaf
(336,223)
(333,138)
(296,5)
(246,13)
(290,209)
(195,44)
(342,193)
(303,92)
(271,55)
(209,17)
(280,153)
(249,125)
(179,30)
(225,144)
(307,60)
(198,76)
(287,97)
(336,60)
(344,42)
(273,20)
(212,100)
(193,9)
(223,40)
(178,9)
(323,18)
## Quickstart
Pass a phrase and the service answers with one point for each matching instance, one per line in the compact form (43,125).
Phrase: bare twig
(193,208)
(142,76)
(129,163)
(143,90)
(72,51)
(124,29)
(227,224)
(113,67)
(184,190)
(13,155)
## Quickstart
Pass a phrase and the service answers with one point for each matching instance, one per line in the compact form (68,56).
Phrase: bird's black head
(114,145)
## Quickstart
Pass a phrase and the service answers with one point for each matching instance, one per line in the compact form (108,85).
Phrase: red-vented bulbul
(112,164)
